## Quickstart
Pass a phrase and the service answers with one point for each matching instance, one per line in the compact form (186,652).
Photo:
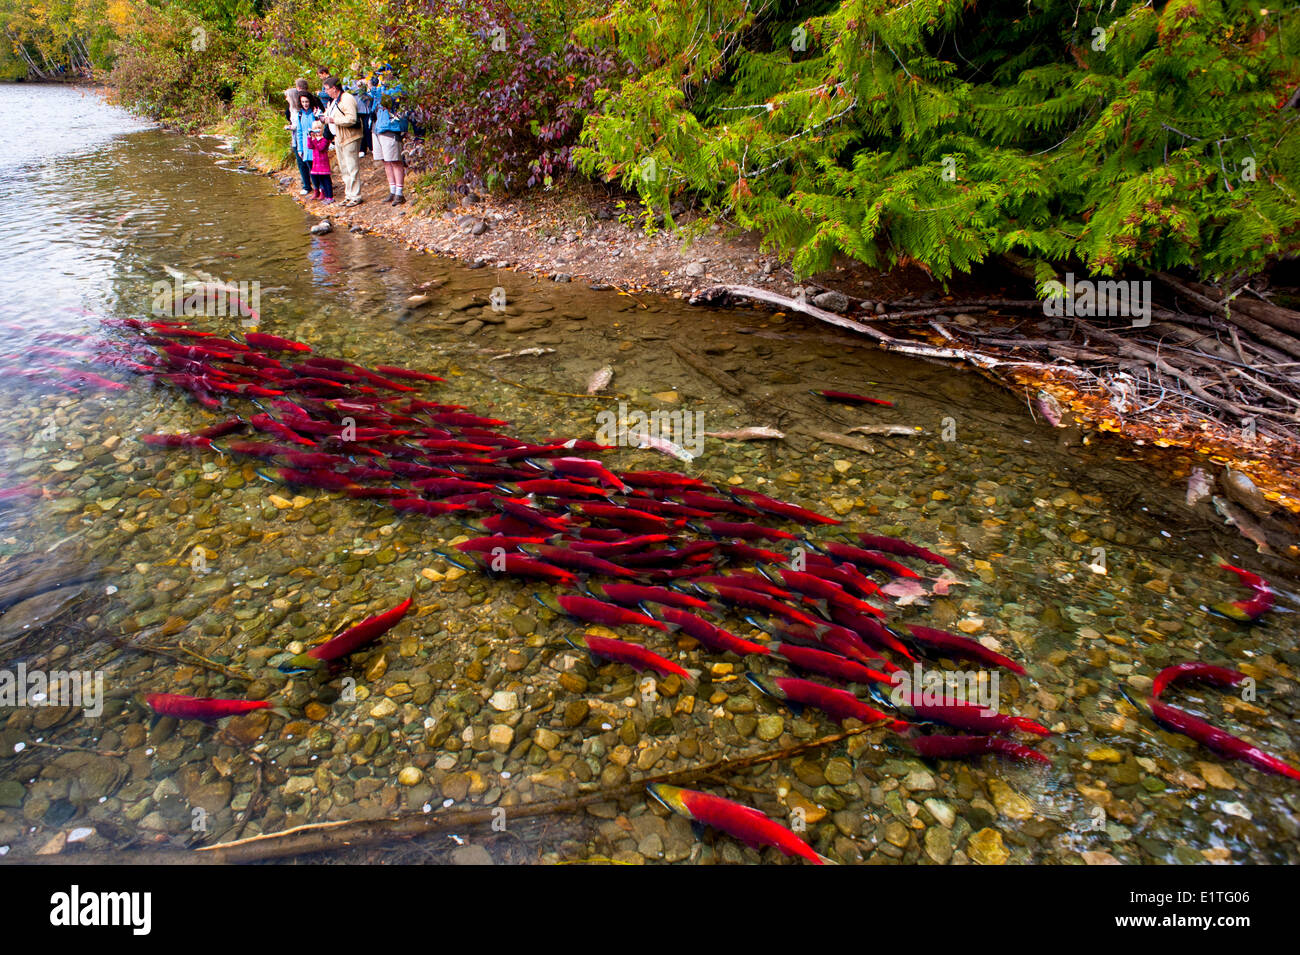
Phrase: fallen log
(884,341)
(1232,312)
(32,576)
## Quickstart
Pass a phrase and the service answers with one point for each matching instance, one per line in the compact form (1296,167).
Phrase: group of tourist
(350,119)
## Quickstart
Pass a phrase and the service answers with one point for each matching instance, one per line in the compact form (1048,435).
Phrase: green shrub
(938,132)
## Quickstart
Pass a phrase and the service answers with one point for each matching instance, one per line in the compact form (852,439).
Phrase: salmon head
(767,689)
(673,798)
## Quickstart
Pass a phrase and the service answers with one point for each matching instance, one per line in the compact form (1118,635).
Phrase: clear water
(203,572)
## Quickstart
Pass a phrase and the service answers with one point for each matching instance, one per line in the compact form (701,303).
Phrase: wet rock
(838,772)
(832,301)
(11,793)
(501,738)
(897,834)
(941,811)
(573,682)
(471,855)
(322,228)
(576,712)
(1098,857)
(919,781)
(938,844)
(410,776)
(770,727)
(1009,802)
(1216,776)
(985,848)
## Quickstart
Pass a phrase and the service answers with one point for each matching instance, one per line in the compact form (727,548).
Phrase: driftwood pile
(1229,359)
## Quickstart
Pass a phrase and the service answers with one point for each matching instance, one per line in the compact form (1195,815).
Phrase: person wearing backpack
(390,126)
(342,114)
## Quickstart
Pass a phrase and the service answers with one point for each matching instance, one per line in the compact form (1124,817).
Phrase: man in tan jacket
(342,115)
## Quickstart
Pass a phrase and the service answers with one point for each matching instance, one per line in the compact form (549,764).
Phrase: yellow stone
(409,776)
(454,573)
(798,802)
(279,503)
(1217,776)
(940,496)
(985,848)
(1101,797)
(1105,754)
(429,573)
(377,668)
(1009,802)
(316,711)
(667,397)
(300,501)
(970,624)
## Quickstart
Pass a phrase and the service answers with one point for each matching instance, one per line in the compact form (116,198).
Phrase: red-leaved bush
(498,96)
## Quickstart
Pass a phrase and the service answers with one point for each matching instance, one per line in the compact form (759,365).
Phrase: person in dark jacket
(366,111)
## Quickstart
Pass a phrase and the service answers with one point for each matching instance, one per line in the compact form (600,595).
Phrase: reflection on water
(477,693)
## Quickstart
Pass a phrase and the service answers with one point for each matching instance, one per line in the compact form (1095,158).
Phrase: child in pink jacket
(322,185)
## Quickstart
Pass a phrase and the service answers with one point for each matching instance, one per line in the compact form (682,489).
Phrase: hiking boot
(398,199)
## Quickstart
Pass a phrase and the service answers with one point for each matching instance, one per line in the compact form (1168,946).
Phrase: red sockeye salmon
(620,651)
(741,822)
(200,708)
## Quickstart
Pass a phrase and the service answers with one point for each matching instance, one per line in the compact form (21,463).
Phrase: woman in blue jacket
(300,125)
(389,128)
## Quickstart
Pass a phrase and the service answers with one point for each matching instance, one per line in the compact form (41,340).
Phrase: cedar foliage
(1118,135)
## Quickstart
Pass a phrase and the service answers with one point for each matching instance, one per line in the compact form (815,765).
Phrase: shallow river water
(191,574)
